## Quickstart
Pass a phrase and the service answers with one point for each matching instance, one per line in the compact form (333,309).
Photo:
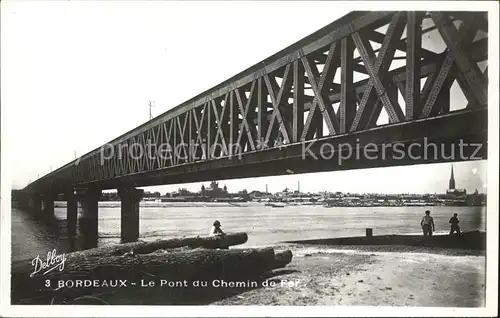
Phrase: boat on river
(274,205)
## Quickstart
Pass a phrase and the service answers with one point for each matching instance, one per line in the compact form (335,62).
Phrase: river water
(264,225)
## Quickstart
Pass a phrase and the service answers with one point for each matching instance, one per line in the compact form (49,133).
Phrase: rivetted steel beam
(413,54)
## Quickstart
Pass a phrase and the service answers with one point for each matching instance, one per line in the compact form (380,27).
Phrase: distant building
(476,199)
(214,191)
(452,180)
(257,194)
(452,192)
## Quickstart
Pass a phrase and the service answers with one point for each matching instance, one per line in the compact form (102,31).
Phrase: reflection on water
(264,225)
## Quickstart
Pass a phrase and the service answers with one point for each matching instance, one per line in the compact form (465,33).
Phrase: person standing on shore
(454,224)
(427,224)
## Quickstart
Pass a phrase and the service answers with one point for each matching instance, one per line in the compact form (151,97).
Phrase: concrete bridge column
(88,222)
(130,198)
(35,203)
(48,206)
(71,212)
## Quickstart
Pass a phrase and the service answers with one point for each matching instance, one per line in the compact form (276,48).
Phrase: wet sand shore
(375,275)
(356,275)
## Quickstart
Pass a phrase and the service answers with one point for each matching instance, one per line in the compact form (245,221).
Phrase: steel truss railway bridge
(367,80)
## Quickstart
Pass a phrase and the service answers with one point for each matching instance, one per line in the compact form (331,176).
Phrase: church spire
(452,180)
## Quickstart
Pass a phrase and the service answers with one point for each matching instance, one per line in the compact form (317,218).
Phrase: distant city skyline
(468,175)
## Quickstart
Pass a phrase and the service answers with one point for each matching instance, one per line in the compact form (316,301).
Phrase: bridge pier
(35,204)
(71,212)
(88,222)
(48,206)
(130,198)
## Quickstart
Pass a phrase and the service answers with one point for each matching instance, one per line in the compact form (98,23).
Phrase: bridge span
(364,91)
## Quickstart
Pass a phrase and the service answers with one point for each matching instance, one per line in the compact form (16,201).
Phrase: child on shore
(216,230)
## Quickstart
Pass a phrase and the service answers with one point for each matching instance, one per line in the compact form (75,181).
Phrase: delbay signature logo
(53,261)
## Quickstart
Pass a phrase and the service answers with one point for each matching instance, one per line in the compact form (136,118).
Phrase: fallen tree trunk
(98,274)
(466,240)
(281,259)
(214,289)
(145,248)
(149,247)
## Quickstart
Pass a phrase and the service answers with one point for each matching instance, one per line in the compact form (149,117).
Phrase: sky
(78,74)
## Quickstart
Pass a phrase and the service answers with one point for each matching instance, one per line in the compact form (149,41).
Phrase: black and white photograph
(249,158)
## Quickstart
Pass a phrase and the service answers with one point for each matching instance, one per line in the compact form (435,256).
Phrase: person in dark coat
(454,224)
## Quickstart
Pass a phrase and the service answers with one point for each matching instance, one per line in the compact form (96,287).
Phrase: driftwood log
(144,248)
(227,240)
(133,269)
(466,240)
(281,259)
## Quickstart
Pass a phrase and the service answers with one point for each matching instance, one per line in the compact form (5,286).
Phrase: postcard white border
(491,308)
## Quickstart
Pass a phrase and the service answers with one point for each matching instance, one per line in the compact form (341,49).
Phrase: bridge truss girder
(332,85)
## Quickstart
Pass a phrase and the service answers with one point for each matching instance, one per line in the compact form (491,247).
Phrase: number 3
(47,283)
